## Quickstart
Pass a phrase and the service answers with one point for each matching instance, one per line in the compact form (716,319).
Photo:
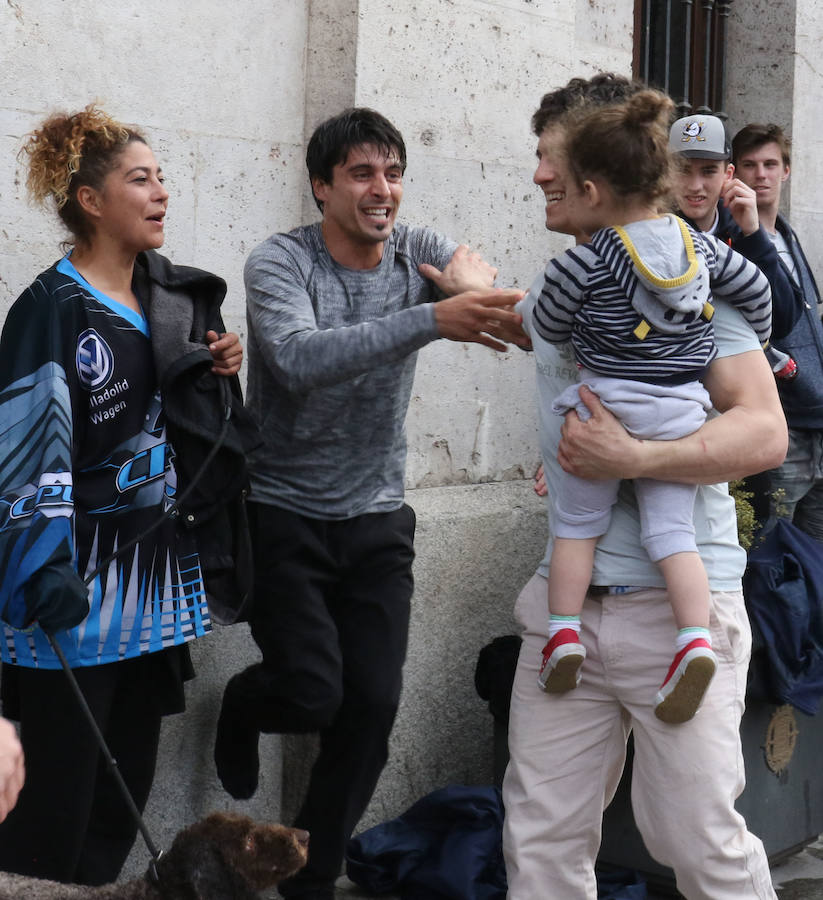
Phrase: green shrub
(746,521)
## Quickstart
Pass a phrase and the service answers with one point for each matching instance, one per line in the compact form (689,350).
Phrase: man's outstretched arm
(461,318)
(303,356)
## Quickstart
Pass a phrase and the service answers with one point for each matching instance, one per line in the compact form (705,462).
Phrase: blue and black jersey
(85,466)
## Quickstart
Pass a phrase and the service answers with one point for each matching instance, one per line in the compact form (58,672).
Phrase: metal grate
(680,47)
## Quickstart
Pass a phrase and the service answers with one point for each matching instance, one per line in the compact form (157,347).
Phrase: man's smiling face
(361,201)
(554,177)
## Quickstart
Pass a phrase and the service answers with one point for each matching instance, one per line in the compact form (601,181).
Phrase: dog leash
(172,512)
(112,762)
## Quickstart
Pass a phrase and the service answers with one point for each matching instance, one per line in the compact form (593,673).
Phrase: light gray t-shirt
(784,253)
(331,357)
(620,558)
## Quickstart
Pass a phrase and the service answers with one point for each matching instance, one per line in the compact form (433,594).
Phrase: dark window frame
(680,47)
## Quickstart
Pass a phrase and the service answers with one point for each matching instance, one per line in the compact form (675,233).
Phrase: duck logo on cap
(693,131)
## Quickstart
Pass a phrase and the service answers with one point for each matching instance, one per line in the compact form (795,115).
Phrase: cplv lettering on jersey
(143,467)
(52,497)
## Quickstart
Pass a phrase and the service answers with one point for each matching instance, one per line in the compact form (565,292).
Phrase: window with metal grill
(680,47)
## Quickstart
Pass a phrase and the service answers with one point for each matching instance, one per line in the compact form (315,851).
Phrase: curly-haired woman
(96,356)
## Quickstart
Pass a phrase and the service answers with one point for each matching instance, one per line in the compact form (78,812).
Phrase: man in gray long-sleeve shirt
(336,312)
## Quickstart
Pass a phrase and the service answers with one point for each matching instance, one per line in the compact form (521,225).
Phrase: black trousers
(331,617)
(71,822)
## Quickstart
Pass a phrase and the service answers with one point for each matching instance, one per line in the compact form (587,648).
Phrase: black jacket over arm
(182,304)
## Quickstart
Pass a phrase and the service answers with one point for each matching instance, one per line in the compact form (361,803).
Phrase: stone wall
(807,137)
(775,76)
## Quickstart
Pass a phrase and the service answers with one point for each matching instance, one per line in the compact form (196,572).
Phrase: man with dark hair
(336,313)
(753,137)
(794,490)
(599,90)
(567,751)
(332,142)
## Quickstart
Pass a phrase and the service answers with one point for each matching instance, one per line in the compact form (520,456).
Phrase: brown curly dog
(223,857)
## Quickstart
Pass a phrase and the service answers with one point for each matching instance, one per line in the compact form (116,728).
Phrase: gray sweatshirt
(331,357)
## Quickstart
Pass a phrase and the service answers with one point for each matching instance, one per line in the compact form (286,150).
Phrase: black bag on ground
(447,846)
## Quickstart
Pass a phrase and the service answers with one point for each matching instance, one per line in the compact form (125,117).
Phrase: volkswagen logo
(94,360)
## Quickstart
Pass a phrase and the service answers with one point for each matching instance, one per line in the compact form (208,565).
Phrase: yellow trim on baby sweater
(647,273)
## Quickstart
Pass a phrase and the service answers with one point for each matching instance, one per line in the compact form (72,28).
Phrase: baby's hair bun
(647,106)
